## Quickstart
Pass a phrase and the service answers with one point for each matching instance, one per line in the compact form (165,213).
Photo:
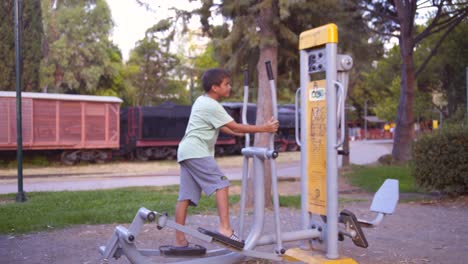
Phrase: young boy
(198,168)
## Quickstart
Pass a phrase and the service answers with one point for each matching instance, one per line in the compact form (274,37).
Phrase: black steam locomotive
(154,132)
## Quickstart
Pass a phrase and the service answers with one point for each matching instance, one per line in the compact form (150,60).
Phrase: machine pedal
(187,251)
(351,222)
(222,239)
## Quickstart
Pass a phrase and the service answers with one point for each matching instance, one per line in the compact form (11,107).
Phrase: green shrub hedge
(440,160)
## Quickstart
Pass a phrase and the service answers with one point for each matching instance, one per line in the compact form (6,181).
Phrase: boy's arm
(270,127)
(227,130)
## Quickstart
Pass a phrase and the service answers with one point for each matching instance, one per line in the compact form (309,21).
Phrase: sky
(131,20)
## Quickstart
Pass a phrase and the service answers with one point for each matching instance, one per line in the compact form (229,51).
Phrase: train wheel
(69,157)
(281,147)
(101,156)
(293,147)
(130,155)
(170,153)
(219,151)
(142,155)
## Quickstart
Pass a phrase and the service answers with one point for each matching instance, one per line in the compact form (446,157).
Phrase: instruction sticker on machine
(316,147)
(317,94)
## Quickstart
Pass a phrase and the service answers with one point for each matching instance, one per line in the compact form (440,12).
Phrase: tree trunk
(404,121)
(268,52)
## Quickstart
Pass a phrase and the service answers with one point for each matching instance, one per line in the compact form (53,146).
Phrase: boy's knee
(183,203)
(222,189)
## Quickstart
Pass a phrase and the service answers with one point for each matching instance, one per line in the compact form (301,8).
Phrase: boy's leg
(222,203)
(180,216)
(189,192)
(209,177)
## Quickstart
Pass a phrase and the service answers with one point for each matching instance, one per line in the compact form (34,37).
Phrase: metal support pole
(365,119)
(20,196)
(259,204)
(332,158)
(303,69)
(467,92)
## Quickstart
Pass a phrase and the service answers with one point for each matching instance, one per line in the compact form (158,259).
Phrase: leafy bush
(440,160)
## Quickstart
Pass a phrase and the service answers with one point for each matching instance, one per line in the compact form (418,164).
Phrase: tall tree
(397,18)
(260,30)
(151,65)
(115,81)
(31,21)
(445,73)
(76,43)
(156,71)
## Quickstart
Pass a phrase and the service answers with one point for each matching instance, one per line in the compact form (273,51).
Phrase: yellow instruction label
(316,147)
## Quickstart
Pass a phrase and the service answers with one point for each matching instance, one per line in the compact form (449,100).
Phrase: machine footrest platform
(190,250)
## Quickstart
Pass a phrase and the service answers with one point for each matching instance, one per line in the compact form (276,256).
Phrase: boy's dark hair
(214,76)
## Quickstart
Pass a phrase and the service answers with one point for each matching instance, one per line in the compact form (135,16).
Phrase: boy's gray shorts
(197,175)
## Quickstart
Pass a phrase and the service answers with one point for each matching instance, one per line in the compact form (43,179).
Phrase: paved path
(362,152)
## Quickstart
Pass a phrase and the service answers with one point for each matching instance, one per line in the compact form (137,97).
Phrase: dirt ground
(425,231)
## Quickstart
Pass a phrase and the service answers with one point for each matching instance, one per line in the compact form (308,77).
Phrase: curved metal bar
(341,113)
(245,169)
(274,177)
(296,116)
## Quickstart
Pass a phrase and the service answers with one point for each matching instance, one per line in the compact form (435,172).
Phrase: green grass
(51,210)
(48,210)
(29,161)
(370,178)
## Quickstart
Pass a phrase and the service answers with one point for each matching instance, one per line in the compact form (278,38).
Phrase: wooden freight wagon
(84,127)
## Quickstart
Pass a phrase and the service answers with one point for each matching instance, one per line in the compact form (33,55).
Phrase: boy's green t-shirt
(206,118)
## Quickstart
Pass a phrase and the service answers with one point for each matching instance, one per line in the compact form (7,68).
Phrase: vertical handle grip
(246,77)
(245,105)
(341,113)
(269,70)
(274,102)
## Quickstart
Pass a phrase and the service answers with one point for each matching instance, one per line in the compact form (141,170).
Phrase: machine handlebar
(269,70)
(246,77)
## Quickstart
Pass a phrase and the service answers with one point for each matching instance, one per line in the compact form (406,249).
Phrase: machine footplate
(222,239)
(190,250)
(350,220)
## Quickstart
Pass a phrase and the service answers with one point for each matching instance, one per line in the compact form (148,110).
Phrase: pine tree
(76,45)
(31,22)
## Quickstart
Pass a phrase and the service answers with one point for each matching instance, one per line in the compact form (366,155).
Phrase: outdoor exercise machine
(324,76)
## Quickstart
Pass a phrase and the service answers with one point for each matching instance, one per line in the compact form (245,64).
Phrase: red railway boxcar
(84,127)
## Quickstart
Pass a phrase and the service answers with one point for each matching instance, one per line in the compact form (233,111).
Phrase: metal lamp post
(365,119)
(20,196)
